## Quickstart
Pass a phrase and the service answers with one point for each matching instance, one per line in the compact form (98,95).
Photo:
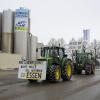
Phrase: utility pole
(95,45)
(95,54)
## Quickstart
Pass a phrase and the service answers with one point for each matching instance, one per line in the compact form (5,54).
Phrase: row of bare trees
(59,42)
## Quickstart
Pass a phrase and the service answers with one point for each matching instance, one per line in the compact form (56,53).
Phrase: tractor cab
(79,57)
(52,52)
(84,61)
(83,56)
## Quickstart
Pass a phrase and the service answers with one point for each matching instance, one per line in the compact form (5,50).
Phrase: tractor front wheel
(93,69)
(55,73)
(74,68)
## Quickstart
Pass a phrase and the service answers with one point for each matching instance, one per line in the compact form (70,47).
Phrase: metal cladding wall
(21,29)
(20,42)
(7,23)
(0,29)
(7,31)
(33,48)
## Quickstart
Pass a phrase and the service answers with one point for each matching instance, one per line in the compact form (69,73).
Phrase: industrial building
(21,29)
(16,41)
(7,31)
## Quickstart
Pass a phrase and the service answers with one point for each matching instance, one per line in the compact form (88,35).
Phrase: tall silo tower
(38,53)
(29,46)
(0,29)
(21,30)
(32,47)
(34,40)
(7,31)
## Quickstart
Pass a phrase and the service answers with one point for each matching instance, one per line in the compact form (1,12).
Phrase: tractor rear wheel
(93,69)
(55,73)
(67,72)
(74,68)
(88,70)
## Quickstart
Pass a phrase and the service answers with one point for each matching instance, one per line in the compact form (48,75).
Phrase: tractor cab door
(55,55)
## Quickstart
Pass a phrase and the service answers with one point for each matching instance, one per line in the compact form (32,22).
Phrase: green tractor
(58,65)
(84,61)
(52,66)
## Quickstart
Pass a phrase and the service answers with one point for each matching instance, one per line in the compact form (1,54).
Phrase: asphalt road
(81,87)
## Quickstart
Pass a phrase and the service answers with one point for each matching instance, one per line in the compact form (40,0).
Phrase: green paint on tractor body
(57,62)
(84,61)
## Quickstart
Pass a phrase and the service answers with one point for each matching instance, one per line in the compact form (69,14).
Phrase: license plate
(34,75)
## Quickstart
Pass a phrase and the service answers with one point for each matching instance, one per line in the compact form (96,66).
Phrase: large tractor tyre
(48,74)
(87,73)
(88,70)
(93,69)
(67,72)
(54,73)
(74,69)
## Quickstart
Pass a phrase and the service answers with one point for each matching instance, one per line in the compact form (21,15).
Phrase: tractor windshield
(89,56)
(49,52)
(79,57)
(82,56)
(45,52)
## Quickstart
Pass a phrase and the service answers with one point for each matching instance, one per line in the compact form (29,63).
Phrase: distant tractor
(53,65)
(84,61)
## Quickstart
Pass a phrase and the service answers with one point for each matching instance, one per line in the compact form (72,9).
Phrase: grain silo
(33,47)
(21,29)
(39,47)
(29,46)
(0,29)
(7,31)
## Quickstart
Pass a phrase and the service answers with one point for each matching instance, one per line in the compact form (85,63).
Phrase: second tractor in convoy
(83,61)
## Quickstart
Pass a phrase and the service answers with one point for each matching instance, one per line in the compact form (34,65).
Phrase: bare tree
(61,42)
(52,42)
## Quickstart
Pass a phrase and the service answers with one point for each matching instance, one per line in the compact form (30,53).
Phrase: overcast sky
(60,18)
